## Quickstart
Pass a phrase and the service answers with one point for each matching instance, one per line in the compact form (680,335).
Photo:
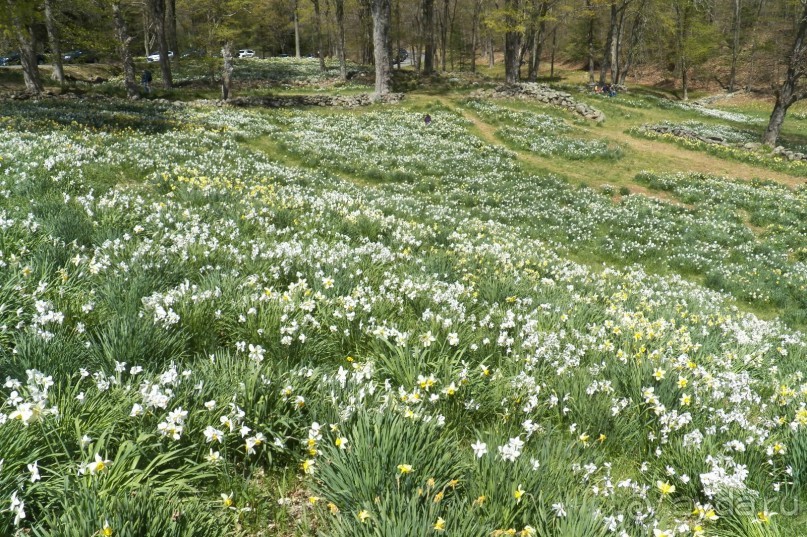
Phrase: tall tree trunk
(397,53)
(171,27)
(552,56)
(590,37)
(787,93)
(158,14)
(528,43)
(475,32)
(444,36)
(491,52)
(340,23)
(124,39)
(609,42)
(428,36)
(685,77)
(227,73)
(681,31)
(146,29)
(55,44)
(512,42)
(381,22)
(784,99)
(538,44)
(318,30)
(616,44)
(735,45)
(27,46)
(296,30)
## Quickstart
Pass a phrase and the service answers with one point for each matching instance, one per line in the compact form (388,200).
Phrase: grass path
(640,155)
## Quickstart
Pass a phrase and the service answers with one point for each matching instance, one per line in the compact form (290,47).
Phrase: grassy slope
(639,154)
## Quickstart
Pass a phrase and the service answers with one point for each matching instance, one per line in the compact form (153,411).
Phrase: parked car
(246,53)
(13,58)
(156,56)
(80,56)
(402,56)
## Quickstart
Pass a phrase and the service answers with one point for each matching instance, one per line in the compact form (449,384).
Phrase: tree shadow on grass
(93,114)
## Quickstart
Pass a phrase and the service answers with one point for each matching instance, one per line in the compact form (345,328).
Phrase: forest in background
(734,44)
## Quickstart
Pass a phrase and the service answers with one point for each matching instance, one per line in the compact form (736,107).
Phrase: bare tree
(735,42)
(683,19)
(445,23)
(475,32)
(790,91)
(590,37)
(637,34)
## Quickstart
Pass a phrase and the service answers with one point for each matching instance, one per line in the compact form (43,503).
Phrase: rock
(752,146)
(544,94)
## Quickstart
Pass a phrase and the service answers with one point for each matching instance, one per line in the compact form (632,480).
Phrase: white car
(246,53)
(156,56)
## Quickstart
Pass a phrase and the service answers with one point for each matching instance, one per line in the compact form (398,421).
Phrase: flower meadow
(542,134)
(383,328)
(731,135)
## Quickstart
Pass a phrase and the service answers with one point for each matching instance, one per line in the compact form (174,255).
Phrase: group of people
(605,89)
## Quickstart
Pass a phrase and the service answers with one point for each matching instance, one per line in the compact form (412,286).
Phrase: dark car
(13,58)
(402,56)
(80,56)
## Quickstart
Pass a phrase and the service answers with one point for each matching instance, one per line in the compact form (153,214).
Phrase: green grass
(343,322)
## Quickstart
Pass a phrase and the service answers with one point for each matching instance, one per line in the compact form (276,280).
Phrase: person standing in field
(145,79)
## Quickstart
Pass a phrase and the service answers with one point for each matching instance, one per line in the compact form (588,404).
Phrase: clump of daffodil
(764,517)
(308,466)
(665,488)
(440,525)
(519,492)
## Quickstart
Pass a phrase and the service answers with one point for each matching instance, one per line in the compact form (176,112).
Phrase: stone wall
(291,101)
(544,94)
(689,134)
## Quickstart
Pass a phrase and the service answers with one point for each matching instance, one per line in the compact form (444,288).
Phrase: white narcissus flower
(480,449)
